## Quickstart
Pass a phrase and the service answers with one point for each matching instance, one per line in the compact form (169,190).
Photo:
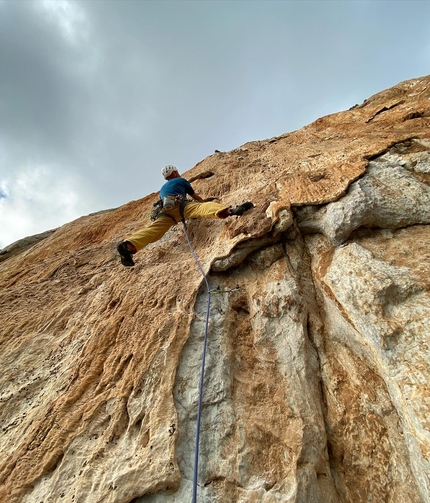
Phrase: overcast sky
(97,96)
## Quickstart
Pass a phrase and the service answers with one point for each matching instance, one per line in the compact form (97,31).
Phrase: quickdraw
(155,213)
(218,290)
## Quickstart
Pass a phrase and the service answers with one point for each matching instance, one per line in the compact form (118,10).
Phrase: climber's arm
(196,197)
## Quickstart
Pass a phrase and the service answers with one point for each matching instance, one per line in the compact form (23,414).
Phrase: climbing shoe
(125,254)
(240,210)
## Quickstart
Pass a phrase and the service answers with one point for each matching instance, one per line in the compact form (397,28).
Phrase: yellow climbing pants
(159,227)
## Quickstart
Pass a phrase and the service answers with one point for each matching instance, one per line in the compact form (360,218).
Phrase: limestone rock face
(317,367)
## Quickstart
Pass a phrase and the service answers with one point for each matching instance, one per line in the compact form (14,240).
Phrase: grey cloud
(138,85)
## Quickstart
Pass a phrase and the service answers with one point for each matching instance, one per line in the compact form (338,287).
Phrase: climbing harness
(202,371)
(160,205)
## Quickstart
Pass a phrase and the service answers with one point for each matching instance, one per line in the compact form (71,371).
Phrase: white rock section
(263,433)
(391,318)
(388,196)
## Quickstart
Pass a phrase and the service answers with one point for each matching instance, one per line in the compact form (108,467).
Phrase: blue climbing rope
(202,372)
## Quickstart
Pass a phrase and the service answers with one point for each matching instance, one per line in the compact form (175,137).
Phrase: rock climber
(174,208)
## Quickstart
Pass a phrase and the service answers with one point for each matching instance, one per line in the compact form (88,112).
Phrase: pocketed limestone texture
(316,382)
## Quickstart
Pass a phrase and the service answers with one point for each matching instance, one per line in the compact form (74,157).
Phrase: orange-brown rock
(316,383)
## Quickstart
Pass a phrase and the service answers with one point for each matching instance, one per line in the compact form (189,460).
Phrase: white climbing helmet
(168,170)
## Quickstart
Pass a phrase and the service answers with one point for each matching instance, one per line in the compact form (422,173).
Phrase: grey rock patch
(388,196)
(23,245)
